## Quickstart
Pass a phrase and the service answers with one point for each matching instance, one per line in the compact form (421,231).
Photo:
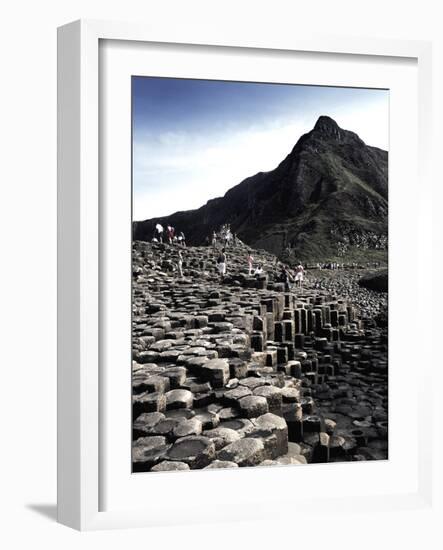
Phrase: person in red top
(170,233)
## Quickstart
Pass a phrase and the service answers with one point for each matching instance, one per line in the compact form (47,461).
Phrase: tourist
(228,236)
(299,275)
(159,230)
(250,260)
(169,234)
(214,240)
(259,270)
(286,278)
(181,238)
(221,263)
(180,263)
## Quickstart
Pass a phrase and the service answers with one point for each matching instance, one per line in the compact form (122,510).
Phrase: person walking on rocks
(221,264)
(214,240)
(286,278)
(228,237)
(180,264)
(299,275)
(170,234)
(159,230)
(181,238)
(250,260)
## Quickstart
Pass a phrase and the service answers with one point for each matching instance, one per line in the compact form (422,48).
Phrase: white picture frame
(80,256)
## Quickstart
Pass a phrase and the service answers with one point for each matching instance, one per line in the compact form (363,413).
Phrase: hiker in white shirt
(250,260)
(180,263)
(299,275)
(259,270)
(221,263)
(159,230)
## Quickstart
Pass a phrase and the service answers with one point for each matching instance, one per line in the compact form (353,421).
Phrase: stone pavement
(241,373)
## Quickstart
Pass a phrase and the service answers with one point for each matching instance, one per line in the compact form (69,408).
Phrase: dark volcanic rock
(274,432)
(193,426)
(254,375)
(179,399)
(217,464)
(245,452)
(196,451)
(167,466)
(375,281)
(145,422)
(253,405)
(222,436)
(147,451)
(148,402)
(216,372)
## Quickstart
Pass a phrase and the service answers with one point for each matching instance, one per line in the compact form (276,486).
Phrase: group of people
(329,265)
(222,264)
(225,237)
(258,270)
(171,236)
(337,265)
(289,277)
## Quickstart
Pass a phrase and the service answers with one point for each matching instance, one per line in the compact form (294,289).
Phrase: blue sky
(195,139)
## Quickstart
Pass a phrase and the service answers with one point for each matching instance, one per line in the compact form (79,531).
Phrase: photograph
(259,274)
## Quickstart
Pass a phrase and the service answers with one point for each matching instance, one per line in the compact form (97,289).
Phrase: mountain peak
(331,188)
(327,126)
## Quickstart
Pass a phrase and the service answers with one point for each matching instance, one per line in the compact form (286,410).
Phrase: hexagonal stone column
(222,436)
(197,451)
(168,466)
(179,399)
(244,452)
(148,451)
(252,406)
(273,430)
(216,371)
(145,422)
(148,402)
(217,464)
(272,395)
(185,427)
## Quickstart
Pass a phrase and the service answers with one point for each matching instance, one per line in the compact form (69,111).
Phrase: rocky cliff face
(328,197)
